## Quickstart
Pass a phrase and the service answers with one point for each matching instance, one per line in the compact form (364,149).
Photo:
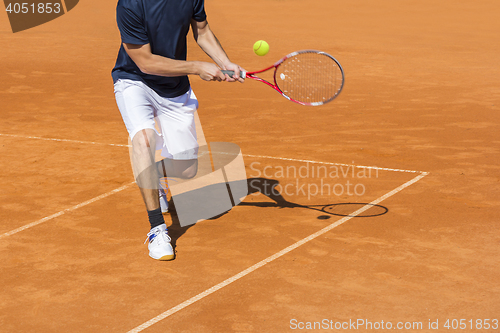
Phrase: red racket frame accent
(251,75)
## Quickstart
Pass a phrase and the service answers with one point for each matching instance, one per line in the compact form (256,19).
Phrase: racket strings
(310,77)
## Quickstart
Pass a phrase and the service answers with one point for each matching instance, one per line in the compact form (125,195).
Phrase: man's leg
(146,175)
(137,110)
(176,123)
(144,166)
(184,169)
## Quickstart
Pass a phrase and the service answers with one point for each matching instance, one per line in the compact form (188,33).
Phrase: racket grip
(243,74)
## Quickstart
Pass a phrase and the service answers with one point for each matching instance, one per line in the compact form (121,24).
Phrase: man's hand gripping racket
(306,77)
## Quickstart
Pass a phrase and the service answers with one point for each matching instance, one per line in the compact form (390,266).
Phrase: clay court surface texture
(416,241)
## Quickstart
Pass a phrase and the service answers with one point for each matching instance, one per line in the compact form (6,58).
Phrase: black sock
(155,217)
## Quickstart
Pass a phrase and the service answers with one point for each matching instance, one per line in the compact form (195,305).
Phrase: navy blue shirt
(163,24)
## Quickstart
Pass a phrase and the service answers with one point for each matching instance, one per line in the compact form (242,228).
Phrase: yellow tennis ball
(261,47)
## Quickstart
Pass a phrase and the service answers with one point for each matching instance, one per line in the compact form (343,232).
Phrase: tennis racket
(305,77)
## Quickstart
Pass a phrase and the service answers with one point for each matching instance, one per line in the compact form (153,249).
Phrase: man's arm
(210,44)
(153,64)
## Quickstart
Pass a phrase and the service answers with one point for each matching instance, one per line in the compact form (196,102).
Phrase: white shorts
(173,119)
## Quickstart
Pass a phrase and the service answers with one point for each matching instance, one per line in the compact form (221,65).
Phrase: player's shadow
(264,186)
(268,187)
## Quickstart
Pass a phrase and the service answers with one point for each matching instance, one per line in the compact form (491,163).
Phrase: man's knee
(143,142)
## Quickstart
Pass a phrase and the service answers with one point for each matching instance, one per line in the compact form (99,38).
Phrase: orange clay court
(415,245)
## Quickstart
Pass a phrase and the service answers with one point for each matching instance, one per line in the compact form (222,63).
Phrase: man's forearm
(162,66)
(154,64)
(211,45)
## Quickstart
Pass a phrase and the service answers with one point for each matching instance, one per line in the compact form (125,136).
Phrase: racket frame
(251,75)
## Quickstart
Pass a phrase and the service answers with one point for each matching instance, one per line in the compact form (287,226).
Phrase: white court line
(45,219)
(117,190)
(62,140)
(336,164)
(248,270)
(245,155)
(275,256)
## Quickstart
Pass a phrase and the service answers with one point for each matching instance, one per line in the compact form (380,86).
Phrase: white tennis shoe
(159,243)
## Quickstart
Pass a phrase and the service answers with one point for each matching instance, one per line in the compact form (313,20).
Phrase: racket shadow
(268,188)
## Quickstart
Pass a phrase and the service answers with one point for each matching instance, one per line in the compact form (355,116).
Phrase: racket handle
(243,74)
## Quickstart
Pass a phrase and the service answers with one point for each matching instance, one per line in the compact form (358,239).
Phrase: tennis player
(152,87)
